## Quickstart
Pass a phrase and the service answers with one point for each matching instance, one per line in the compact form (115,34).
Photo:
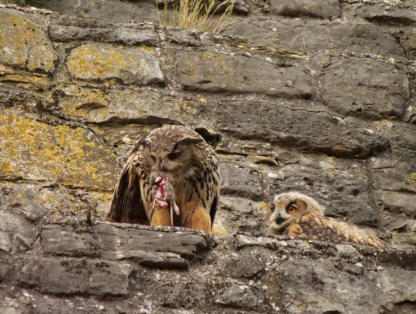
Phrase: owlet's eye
(291,209)
(272,207)
(174,155)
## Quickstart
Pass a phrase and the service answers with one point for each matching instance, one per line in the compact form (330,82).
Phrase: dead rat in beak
(165,196)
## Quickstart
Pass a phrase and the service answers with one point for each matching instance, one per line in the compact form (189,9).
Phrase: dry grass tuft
(198,14)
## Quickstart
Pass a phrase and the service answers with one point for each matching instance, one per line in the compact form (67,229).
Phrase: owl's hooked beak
(278,224)
(279,220)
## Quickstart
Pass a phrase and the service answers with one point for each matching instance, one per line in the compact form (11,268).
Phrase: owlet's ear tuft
(301,204)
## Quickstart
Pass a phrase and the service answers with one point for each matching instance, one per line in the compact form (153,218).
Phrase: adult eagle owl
(299,215)
(171,178)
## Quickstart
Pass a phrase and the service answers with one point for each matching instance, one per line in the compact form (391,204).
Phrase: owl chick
(171,178)
(298,215)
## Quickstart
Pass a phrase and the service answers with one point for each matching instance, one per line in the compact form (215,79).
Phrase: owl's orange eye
(291,209)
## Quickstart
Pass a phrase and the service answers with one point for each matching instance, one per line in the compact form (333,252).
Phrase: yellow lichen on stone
(263,208)
(92,60)
(37,151)
(105,61)
(147,48)
(82,101)
(412,179)
(218,228)
(24,44)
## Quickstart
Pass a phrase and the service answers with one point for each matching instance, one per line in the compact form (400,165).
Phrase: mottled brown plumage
(170,178)
(298,215)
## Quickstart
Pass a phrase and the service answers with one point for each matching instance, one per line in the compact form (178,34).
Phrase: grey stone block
(314,8)
(76,276)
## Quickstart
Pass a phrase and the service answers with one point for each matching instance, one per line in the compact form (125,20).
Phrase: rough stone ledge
(68,28)
(391,16)
(216,72)
(317,249)
(163,247)
(280,125)
(163,260)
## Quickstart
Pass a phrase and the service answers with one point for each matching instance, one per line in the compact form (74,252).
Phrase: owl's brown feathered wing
(316,227)
(127,204)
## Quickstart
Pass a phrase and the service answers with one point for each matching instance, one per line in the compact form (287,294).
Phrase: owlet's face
(288,206)
(169,164)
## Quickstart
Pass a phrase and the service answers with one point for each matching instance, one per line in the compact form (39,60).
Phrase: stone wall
(314,96)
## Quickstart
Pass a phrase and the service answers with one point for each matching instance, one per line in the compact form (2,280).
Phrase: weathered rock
(17,96)
(368,88)
(241,214)
(395,194)
(346,250)
(392,174)
(24,44)
(241,296)
(58,241)
(314,8)
(390,16)
(312,37)
(246,268)
(398,201)
(71,29)
(402,139)
(163,260)
(327,280)
(180,295)
(183,37)
(215,72)
(16,233)
(52,203)
(37,151)
(238,204)
(112,11)
(122,106)
(103,61)
(186,243)
(245,241)
(76,276)
(240,180)
(241,6)
(279,123)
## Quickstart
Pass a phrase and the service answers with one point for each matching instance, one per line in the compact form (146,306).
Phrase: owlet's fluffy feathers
(298,215)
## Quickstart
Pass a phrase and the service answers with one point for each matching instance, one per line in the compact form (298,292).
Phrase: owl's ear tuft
(189,140)
(210,136)
(142,142)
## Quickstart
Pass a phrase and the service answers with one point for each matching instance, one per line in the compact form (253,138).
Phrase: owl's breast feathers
(200,185)
(316,227)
